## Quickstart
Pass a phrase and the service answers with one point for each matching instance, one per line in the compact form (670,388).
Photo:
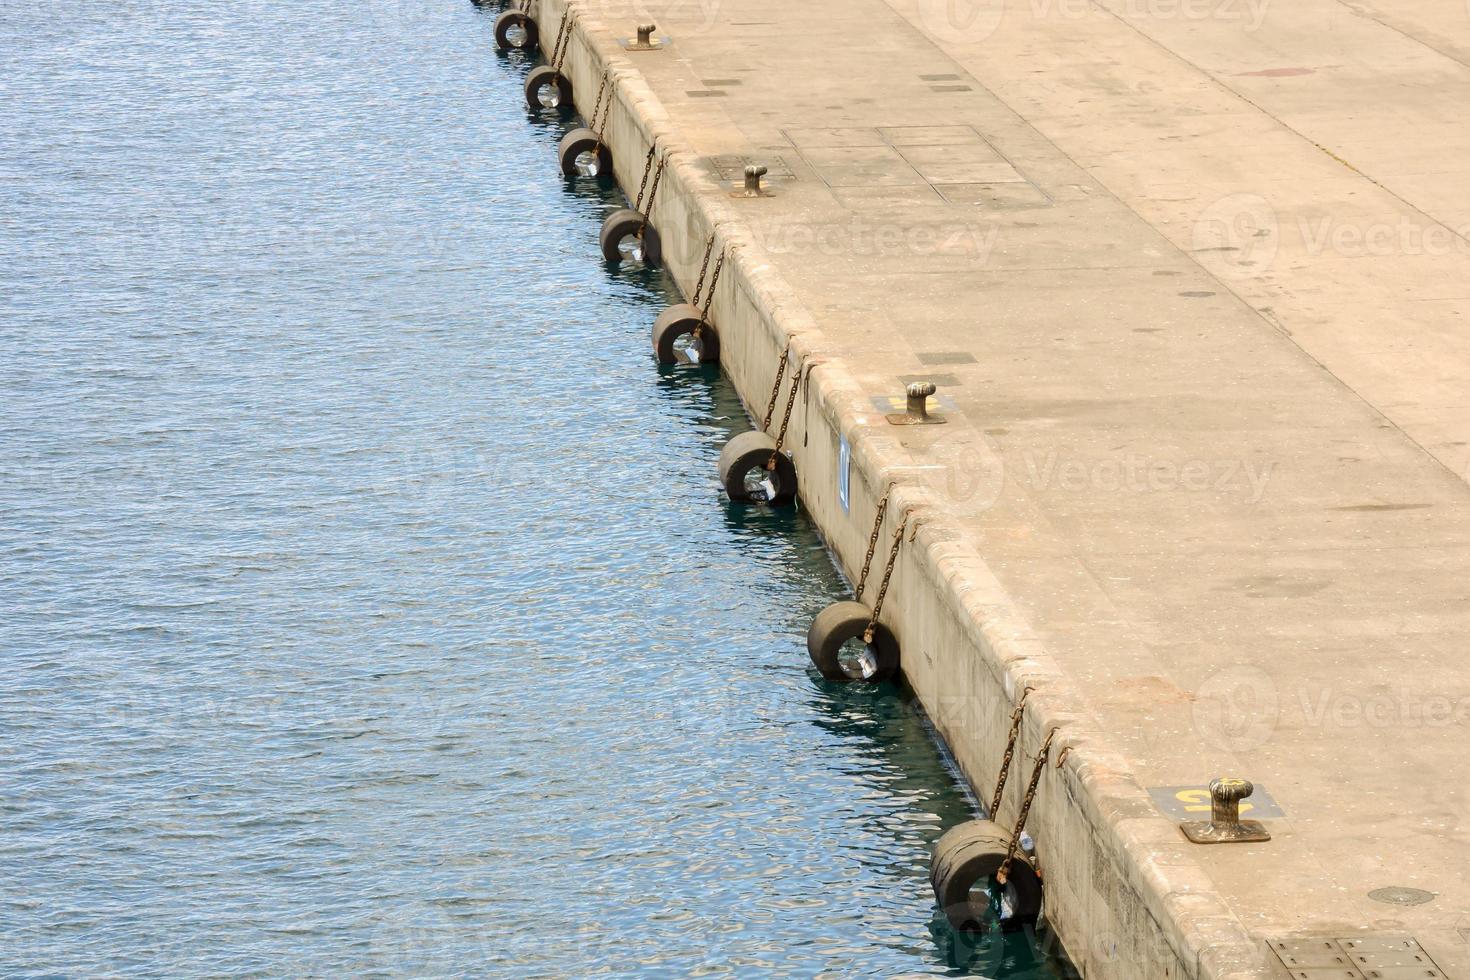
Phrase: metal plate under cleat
(1242,832)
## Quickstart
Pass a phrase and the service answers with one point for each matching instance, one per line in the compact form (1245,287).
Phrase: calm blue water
(366,602)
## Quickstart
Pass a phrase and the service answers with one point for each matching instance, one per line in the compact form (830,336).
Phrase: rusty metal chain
(881,510)
(647,209)
(564,42)
(785,419)
(1005,868)
(709,298)
(709,248)
(1005,761)
(872,626)
(647,169)
(775,390)
(561,31)
(597,106)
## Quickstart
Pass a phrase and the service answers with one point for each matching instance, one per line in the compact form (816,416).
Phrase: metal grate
(1363,958)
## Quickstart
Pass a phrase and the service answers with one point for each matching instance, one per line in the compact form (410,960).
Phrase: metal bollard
(1225,825)
(752,188)
(917,408)
(645,40)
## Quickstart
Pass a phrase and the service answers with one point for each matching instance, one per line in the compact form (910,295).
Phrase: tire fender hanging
(967,857)
(625,223)
(544,77)
(749,454)
(678,321)
(844,621)
(574,144)
(506,34)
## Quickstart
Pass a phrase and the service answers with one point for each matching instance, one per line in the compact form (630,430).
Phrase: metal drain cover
(1363,958)
(1399,895)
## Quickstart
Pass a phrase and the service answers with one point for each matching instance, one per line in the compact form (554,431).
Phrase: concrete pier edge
(1125,895)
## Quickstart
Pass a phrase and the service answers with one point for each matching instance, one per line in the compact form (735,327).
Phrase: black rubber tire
(751,450)
(579,141)
(972,853)
(543,75)
(502,27)
(843,621)
(622,223)
(676,322)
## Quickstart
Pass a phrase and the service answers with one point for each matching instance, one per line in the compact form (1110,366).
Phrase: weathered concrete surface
(1191,277)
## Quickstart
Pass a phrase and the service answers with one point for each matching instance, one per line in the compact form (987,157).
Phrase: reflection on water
(370,606)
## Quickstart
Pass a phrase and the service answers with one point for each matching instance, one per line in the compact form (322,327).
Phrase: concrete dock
(1192,278)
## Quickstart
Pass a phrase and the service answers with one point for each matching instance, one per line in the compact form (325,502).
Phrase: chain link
(646,209)
(785,419)
(1005,761)
(561,31)
(597,107)
(1005,868)
(564,42)
(647,169)
(872,626)
(775,390)
(881,510)
(709,248)
(709,297)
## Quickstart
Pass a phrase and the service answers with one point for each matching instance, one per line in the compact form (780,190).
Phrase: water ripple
(369,607)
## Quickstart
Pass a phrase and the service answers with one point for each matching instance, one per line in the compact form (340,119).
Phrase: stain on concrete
(1371,508)
(1276,587)
(1276,72)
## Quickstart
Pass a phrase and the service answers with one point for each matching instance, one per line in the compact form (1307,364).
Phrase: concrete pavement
(1191,276)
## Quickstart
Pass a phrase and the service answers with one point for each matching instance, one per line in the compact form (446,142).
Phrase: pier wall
(1123,892)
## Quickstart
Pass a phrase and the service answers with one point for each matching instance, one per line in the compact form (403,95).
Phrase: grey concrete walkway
(1192,277)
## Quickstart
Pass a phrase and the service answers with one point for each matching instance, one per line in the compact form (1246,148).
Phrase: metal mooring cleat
(917,411)
(1225,825)
(646,41)
(752,188)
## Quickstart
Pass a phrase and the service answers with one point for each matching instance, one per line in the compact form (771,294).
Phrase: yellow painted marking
(1198,801)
